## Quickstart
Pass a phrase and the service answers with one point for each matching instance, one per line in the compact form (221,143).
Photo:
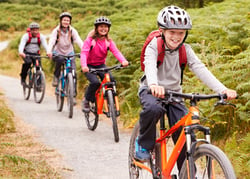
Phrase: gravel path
(86,154)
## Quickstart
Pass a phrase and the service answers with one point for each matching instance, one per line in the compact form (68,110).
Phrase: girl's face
(103,29)
(65,22)
(174,37)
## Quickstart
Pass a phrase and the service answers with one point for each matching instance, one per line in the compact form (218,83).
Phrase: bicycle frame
(101,99)
(167,164)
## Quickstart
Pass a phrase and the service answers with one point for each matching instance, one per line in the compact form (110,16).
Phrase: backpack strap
(182,60)
(30,37)
(161,51)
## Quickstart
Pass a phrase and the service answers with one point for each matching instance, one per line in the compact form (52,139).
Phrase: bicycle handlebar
(106,69)
(67,56)
(36,56)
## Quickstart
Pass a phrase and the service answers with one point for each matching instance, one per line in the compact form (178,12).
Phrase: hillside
(220,37)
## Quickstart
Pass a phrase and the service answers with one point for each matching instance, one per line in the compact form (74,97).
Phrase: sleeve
(23,42)
(76,38)
(44,42)
(150,63)
(118,55)
(201,71)
(52,40)
(85,51)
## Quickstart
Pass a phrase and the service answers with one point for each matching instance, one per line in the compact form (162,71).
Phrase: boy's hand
(22,55)
(231,94)
(157,91)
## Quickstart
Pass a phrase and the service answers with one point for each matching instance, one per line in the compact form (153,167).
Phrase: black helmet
(102,20)
(34,25)
(65,14)
(173,17)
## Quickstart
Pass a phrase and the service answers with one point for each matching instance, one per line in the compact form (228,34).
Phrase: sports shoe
(74,101)
(55,81)
(23,83)
(141,153)
(85,106)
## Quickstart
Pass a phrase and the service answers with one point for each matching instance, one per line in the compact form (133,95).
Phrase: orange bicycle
(203,160)
(106,101)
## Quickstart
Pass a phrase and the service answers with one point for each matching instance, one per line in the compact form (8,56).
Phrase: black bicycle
(66,87)
(35,79)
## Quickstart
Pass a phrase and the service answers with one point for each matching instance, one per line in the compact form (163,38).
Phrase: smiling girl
(93,55)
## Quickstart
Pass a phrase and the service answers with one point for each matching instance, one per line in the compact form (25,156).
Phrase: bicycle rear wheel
(70,94)
(209,162)
(136,172)
(92,117)
(28,85)
(39,86)
(60,94)
(112,111)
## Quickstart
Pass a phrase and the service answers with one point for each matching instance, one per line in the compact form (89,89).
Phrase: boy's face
(174,37)
(34,32)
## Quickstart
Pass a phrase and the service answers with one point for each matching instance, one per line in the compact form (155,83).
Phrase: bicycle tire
(70,94)
(28,85)
(135,172)
(60,94)
(39,86)
(221,166)
(92,117)
(112,111)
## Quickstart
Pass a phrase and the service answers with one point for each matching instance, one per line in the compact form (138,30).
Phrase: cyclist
(61,43)
(93,55)
(30,44)
(174,23)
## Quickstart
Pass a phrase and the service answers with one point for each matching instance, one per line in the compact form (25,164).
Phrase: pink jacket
(98,54)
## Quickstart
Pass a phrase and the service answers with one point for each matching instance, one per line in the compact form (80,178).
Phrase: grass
(21,155)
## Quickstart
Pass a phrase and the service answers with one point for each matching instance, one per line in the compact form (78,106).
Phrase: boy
(174,24)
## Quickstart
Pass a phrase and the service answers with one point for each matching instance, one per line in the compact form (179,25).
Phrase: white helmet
(173,17)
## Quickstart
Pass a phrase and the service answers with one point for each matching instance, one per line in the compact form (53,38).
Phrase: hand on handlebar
(231,94)
(50,55)
(157,91)
(85,69)
(125,63)
(22,55)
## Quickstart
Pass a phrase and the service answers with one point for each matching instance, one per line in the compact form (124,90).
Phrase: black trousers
(94,82)
(27,63)
(151,112)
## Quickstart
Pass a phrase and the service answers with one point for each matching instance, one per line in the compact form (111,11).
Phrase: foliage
(220,38)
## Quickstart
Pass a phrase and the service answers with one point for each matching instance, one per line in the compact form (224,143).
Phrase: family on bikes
(160,73)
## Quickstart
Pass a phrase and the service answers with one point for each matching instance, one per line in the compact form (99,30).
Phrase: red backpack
(30,37)
(161,51)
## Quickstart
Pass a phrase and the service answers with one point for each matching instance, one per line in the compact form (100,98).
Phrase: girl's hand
(231,94)
(157,91)
(125,63)
(50,56)
(85,69)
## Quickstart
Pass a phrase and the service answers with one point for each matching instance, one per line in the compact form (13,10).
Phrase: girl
(93,55)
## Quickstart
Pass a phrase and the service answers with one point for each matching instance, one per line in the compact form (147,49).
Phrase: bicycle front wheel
(39,86)
(112,111)
(60,94)
(92,117)
(209,162)
(28,85)
(70,94)
(136,171)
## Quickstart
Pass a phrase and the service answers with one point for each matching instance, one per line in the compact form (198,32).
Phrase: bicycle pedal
(173,176)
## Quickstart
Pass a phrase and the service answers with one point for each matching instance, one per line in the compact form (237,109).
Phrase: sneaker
(23,83)
(55,81)
(85,106)
(74,101)
(141,153)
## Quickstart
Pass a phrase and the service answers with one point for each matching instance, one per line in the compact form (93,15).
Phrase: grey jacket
(168,74)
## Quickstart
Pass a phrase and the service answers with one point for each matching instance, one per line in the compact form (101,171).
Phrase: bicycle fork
(191,145)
